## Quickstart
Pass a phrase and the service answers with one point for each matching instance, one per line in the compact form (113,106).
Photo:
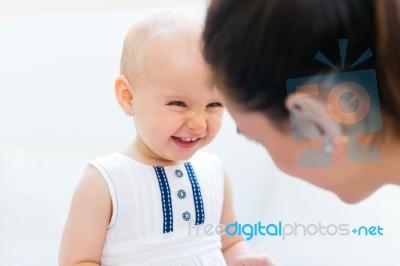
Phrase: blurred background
(58,62)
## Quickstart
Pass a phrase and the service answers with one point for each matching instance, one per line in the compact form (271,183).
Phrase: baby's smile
(186,142)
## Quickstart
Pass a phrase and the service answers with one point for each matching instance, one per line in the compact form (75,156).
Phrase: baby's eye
(214,105)
(177,103)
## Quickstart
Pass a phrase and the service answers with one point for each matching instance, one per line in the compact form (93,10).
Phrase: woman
(317,83)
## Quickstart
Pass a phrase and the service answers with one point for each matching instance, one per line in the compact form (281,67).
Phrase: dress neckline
(126,157)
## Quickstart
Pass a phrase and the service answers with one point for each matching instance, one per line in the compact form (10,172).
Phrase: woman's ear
(311,119)
(124,94)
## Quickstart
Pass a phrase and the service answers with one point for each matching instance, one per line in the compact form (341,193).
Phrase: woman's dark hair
(255,46)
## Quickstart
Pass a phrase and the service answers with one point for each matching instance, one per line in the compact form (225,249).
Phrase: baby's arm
(236,251)
(86,226)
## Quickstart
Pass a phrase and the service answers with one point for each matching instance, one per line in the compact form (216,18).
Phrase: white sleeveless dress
(159,213)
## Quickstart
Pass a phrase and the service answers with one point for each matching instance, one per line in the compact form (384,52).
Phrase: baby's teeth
(188,139)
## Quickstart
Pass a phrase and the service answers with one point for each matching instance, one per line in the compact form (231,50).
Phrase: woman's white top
(159,213)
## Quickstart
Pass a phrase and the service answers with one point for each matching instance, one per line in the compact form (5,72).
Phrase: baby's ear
(124,94)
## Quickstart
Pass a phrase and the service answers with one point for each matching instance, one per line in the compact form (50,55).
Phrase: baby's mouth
(185,142)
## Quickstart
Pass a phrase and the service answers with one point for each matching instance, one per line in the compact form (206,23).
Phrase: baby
(134,207)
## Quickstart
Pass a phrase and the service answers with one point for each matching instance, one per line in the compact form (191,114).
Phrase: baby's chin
(182,154)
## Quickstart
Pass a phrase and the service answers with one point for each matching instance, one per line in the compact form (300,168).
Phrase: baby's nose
(197,122)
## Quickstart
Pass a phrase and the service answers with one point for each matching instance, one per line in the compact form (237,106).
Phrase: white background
(57,111)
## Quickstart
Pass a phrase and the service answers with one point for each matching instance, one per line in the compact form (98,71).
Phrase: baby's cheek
(215,121)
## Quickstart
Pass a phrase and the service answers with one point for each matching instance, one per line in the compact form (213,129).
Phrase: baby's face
(177,109)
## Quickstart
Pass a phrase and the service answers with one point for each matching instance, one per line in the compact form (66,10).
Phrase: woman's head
(256,47)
